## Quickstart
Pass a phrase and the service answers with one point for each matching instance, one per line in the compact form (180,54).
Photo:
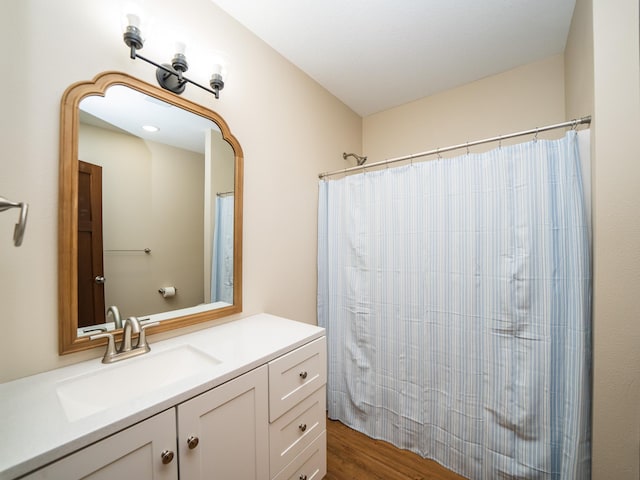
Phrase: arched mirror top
(170,252)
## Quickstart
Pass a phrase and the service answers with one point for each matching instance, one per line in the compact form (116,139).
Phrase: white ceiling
(128,110)
(378,54)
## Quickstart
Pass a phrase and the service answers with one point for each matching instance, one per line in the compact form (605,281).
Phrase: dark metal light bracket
(169,77)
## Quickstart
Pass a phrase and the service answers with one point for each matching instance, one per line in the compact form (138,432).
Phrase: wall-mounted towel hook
(18,231)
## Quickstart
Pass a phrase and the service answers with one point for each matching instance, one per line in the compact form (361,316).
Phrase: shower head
(359,160)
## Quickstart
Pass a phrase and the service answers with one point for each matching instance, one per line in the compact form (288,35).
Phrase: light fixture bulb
(132,35)
(133,20)
(133,23)
(132,14)
(150,128)
(179,62)
(180,47)
(220,66)
(216,82)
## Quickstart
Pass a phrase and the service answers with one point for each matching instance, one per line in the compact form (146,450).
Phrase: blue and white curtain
(222,258)
(456,294)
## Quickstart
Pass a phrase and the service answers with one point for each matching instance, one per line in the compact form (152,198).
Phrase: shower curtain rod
(571,123)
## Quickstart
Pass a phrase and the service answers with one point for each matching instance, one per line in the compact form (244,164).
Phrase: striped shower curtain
(456,296)
(222,256)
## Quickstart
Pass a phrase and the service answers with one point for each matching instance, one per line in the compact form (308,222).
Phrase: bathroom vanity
(241,400)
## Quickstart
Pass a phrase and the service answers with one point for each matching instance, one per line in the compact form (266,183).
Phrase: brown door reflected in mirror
(91,305)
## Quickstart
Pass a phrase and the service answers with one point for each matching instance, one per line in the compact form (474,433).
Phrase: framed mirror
(150,210)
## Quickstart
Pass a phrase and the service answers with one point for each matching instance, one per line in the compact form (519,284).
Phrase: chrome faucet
(126,350)
(117,320)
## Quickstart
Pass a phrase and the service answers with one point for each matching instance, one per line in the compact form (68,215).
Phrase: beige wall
(519,99)
(616,416)
(578,62)
(152,198)
(177,211)
(602,78)
(289,128)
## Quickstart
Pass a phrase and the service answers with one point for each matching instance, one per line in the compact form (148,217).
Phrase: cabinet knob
(303,374)
(303,476)
(302,426)
(192,442)
(166,456)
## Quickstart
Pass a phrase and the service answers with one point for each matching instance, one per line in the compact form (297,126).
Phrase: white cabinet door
(132,453)
(230,424)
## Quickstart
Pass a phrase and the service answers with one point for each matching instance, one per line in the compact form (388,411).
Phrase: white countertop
(34,429)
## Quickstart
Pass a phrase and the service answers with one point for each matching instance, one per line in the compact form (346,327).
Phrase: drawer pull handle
(302,426)
(303,476)
(303,375)
(192,442)
(166,456)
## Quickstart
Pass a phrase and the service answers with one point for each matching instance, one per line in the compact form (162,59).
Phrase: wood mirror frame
(68,208)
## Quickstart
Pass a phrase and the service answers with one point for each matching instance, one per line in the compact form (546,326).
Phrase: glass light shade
(180,48)
(133,16)
(133,20)
(220,66)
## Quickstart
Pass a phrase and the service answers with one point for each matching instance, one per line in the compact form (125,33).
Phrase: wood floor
(354,456)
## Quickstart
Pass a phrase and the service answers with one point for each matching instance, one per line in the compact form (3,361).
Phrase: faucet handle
(142,338)
(111,346)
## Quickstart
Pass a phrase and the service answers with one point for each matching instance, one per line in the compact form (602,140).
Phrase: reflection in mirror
(157,247)
(156,222)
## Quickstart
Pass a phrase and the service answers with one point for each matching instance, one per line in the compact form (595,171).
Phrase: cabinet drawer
(296,429)
(296,375)
(311,464)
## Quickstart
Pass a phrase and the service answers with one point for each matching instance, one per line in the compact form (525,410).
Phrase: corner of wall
(578,62)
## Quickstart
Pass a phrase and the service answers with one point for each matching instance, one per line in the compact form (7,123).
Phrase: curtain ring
(575,124)
(500,142)
(535,137)
(438,153)
(467,148)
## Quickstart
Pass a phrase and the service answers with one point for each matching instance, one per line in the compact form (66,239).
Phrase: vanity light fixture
(170,76)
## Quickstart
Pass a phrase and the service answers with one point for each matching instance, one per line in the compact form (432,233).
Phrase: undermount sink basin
(91,393)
